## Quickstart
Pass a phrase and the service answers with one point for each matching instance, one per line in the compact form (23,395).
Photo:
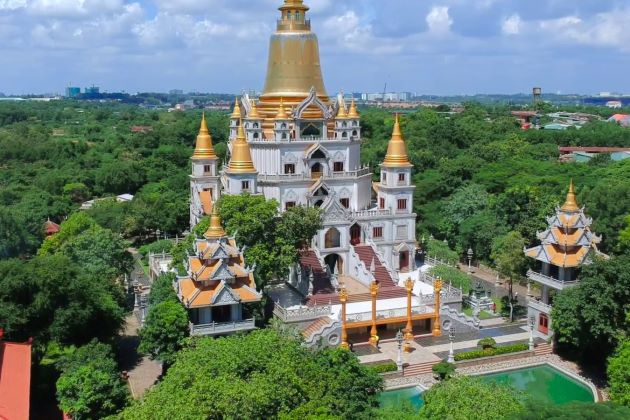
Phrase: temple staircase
(419,369)
(321,280)
(388,287)
(543,349)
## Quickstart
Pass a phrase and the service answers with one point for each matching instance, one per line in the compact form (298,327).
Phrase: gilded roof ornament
(236,114)
(282,112)
(241,160)
(203,146)
(397,150)
(353,113)
(215,230)
(342,114)
(253,113)
(570,205)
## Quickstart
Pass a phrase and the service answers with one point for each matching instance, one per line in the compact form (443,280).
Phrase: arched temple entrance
(355,234)
(334,260)
(332,238)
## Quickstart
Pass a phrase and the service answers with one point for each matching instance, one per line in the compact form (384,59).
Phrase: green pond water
(543,383)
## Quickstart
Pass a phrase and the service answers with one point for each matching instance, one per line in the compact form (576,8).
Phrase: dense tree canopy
(260,375)
(590,317)
(619,374)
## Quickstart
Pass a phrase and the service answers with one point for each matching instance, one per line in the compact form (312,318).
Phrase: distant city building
(537,93)
(73,91)
(614,104)
(566,246)
(93,90)
(176,92)
(387,97)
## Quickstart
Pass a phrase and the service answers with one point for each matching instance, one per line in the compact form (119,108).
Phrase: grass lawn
(482,314)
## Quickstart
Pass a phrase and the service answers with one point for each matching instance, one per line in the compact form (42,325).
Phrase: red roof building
(15,380)
(51,228)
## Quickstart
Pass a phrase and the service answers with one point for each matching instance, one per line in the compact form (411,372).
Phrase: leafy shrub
(384,367)
(487,343)
(444,370)
(513,348)
(452,275)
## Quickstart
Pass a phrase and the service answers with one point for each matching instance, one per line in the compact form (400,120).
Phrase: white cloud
(439,20)
(12,4)
(511,25)
(74,8)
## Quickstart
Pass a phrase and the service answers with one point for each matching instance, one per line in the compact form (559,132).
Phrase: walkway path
(460,345)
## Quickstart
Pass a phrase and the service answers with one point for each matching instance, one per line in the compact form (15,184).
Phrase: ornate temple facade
(566,245)
(218,287)
(297,146)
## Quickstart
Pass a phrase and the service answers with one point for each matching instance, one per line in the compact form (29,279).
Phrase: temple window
(344,124)
(384,176)
(284,136)
(402,204)
(256,136)
(338,167)
(332,238)
(381,203)
(401,177)
(311,130)
(289,205)
(345,202)
(318,155)
(245,185)
(283,126)
(255,125)
(207,169)
(355,133)
(377,232)
(344,135)
(289,168)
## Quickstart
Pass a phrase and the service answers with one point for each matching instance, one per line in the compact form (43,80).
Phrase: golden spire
(396,150)
(342,114)
(236,114)
(253,113)
(203,147)
(282,113)
(241,160)
(215,230)
(570,205)
(353,110)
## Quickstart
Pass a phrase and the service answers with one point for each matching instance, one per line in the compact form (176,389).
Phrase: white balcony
(217,328)
(549,281)
(302,313)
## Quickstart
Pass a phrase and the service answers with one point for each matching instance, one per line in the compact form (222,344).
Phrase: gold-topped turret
(353,113)
(236,114)
(282,112)
(397,150)
(342,114)
(215,230)
(203,146)
(241,160)
(253,113)
(570,205)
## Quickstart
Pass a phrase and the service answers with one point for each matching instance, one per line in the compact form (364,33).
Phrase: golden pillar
(343,298)
(409,327)
(437,288)
(374,331)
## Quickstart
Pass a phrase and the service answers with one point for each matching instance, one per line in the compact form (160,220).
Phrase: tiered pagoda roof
(217,273)
(568,242)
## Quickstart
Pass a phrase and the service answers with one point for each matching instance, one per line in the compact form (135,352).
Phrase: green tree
(162,289)
(589,318)
(535,410)
(508,255)
(77,192)
(465,398)
(14,238)
(298,225)
(90,386)
(260,375)
(164,332)
(619,374)
(624,237)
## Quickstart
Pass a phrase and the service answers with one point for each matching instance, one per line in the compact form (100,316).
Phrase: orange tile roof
(206,201)
(196,295)
(15,380)
(557,256)
(569,220)
(567,238)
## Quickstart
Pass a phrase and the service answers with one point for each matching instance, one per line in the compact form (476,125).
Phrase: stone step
(419,369)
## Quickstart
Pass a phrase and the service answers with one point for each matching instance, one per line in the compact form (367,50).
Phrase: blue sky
(423,46)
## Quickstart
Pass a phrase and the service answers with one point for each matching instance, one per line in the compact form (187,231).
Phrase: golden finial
(570,205)
(253,113)
(215,230)
(236,114)
(203,146)
(343,295)
(353,113)
(342,114)
(397,150)
(409,284)
(241,160)
(282,113)
(374,288)
(437,285)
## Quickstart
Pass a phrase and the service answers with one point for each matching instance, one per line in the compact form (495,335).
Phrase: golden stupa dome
(282,112)
(241,160)
(215,230)
(236,114)
(253,113)
(353,113)
(397,150)
(342,114)
(570,205)
(203,146)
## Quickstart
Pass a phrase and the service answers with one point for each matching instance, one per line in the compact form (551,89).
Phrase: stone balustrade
(216,328)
